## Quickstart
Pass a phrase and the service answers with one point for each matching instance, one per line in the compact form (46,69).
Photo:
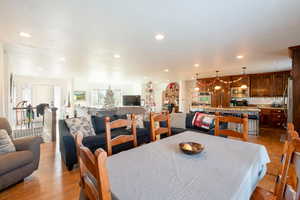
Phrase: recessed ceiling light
(159,37)
(240,57)
(26,35)
(196,65)
(166,70)
(168,80)
(117,56)
(62,59)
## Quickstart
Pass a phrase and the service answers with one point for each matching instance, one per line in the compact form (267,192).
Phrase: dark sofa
(189,125)
(67,143)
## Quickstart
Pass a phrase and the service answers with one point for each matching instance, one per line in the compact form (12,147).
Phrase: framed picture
(79,95)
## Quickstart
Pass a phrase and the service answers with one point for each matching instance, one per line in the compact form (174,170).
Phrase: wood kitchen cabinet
(280,83)
(268,84)
(270,117)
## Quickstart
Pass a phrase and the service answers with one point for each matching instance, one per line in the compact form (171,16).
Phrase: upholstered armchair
(16,166)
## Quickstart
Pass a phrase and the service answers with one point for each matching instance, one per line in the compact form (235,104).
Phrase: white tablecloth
(226,169)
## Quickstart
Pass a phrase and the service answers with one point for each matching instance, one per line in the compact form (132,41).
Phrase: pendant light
(244,86)
(217,87)
(197,89)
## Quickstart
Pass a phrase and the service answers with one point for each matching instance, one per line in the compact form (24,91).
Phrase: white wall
(2,78)
(188,88)
(4,84)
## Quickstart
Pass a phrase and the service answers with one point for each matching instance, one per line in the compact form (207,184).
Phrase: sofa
(16,166)
(211,131)
(67,143)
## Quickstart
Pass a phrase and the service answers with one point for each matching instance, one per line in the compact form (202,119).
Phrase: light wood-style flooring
(52,181)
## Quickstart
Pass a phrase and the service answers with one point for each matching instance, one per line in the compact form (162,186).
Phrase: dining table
(227,169)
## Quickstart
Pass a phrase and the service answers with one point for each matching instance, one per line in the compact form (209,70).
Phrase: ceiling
(79,38)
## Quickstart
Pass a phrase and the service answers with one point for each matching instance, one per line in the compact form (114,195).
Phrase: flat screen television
(131,100)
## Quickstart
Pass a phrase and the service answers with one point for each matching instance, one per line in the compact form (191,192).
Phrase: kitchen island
(253,115)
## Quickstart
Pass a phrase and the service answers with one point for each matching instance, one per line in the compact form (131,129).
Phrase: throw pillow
(6,145)
(139,121)
(81,124)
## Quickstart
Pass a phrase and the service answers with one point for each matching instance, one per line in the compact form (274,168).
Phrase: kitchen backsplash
(262,100)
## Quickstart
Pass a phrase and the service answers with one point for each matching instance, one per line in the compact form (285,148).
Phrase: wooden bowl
(191,148)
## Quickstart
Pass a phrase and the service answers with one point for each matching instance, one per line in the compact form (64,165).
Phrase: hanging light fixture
(244,86)
(197,89)
(217,87)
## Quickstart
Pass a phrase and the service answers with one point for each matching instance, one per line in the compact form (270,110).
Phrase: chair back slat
(160,117)
(120,123)
(94,179)
(155,119)
(231,119)
(283,177)
(121,139)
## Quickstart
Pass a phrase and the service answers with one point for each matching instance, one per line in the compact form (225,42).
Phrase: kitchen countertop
(270,107)
(241,108)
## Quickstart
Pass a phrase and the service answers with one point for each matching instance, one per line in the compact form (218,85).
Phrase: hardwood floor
(53,181)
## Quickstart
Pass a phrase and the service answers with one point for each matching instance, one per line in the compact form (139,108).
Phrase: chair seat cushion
(14,160)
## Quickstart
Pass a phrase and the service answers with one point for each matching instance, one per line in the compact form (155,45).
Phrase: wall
(4,85)
(189,86)
(2,78)
(263,100)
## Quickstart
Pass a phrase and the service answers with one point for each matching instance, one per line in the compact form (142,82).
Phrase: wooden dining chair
(155,129)
(282,178)
(94,181)
(231,119)
(120,123)
(276,167)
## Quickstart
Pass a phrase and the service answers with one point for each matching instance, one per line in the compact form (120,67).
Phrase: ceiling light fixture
(196,65)
(62,59)
(217,87)
(159,37)
(166,70)
(26,35)
(117,56)
(196,88)
(239,57)
(244,86)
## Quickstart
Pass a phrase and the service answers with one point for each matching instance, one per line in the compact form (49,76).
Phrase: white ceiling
(88,34)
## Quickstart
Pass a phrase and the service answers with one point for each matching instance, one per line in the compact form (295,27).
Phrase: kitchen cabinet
(280,83)
(295,56)
(221,98)
(268,84)
(272,117)
(261,85)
